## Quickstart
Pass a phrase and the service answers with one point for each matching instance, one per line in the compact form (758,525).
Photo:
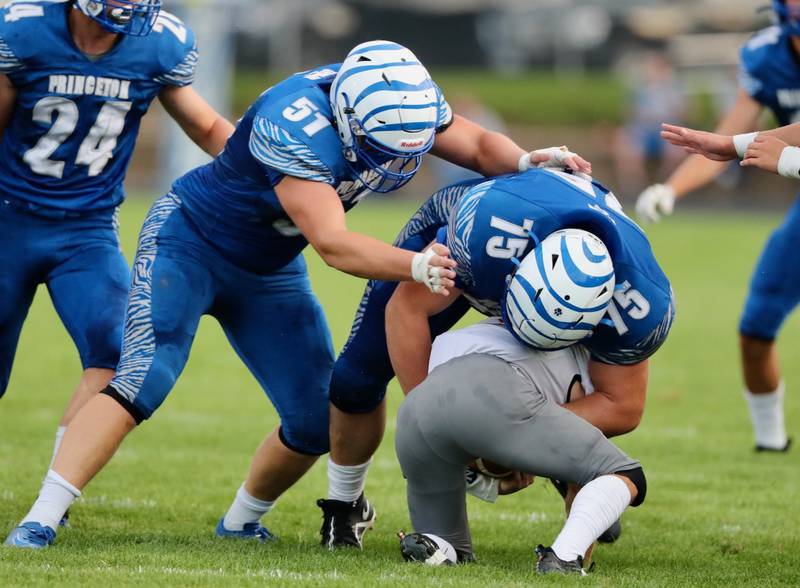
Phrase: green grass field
(716,514)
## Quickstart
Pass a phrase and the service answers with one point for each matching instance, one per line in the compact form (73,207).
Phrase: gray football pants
(481,406)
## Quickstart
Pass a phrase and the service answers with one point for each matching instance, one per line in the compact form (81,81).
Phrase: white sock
(59,435)
(245,509)
(766,412)
(55,498)
(595,508)
(346,483)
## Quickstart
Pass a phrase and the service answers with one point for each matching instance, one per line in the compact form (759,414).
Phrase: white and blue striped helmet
(128,17)
(560,291)
(386,108)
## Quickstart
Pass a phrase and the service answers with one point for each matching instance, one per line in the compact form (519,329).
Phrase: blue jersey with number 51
(492,224)
(76,118)
(288,131)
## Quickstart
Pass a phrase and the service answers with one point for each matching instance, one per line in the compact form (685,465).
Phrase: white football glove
(557,157)
(423,272)
(481,486)
(657,200)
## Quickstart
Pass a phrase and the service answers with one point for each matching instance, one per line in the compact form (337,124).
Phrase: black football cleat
(420,548)
(550,563)
(344,523)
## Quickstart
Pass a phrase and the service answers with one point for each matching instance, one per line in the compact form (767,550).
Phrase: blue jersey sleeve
(12,36)
(754,59)
(459,233)
(9,62)
(283,155)
(178,55)
(445,113)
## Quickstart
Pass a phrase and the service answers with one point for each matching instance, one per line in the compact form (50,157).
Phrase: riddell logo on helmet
(412,144)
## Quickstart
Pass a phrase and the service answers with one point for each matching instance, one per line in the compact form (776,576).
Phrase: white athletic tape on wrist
(525,162)
(789,163)
(424,273)
(742,142)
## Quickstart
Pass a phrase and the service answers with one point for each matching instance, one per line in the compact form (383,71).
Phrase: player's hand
(434,268)
(514,483)
(764,152)
(710,145)
(657,200)
(559,157)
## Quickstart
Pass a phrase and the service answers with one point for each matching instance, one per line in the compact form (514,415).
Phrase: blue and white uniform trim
(644,348)
(276,148)
(460,230)
(182,74)
(139,344)
(8,59)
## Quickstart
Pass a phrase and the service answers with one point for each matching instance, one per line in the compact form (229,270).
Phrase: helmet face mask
(386,109)
(560,291)
(788,16)
(127,17)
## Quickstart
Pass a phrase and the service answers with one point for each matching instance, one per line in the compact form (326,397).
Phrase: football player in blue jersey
(770,79)
(487,225)
(227,242)
(75,80)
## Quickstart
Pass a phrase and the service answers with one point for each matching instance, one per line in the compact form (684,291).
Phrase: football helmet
(386,109)
(560,291)
(127,17)
(788,16)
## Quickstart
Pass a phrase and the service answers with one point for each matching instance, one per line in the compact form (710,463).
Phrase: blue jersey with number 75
(500,220)
(76,117)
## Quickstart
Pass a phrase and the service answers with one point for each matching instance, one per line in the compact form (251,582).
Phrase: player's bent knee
(305,440)
(354,393)
(637,478)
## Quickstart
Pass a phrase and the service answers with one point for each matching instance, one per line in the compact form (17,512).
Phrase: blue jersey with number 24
(76,118)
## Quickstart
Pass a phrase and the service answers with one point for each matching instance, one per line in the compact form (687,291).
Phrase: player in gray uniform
(489,396)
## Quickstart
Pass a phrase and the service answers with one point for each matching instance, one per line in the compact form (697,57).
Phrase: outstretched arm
(617,404)
(316,210)
(489,153)
(697,171)
(201,123)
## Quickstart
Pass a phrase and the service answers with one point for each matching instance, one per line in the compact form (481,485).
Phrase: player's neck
(90,37)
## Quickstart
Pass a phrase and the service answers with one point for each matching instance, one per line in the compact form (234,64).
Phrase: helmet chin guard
(126,17)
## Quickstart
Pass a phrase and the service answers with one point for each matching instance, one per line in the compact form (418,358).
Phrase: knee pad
(306,440)
(354,392)
(637,477)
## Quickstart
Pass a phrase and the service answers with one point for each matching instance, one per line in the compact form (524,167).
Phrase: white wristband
(525,162)
(742,142)
(789,163)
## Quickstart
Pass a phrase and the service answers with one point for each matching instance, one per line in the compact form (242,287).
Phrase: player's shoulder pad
(759,51)
(175,48)
(293,133)
(22,29)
